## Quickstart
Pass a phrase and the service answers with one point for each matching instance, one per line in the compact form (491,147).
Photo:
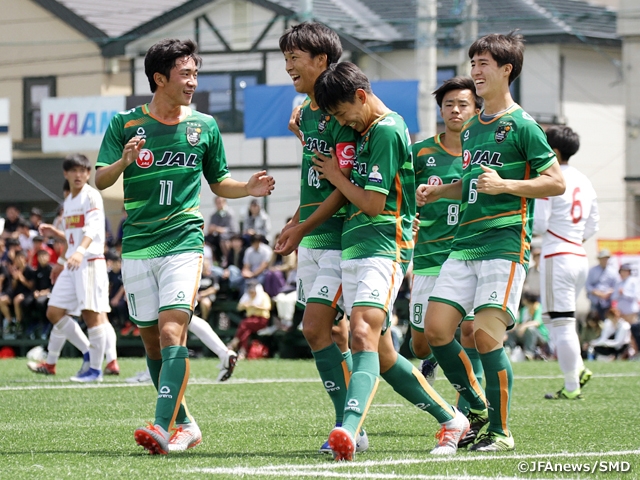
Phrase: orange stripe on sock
(183,387)
(345,371)
(504,399)
(366,409)
(430,390)
(473,381)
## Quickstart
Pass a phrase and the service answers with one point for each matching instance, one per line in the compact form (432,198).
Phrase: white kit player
(565,222)
(81,282)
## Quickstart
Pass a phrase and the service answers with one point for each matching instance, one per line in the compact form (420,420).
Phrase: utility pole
(426,66)
(468,35)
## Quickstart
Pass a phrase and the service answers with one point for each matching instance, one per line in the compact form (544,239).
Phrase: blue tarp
(268,107)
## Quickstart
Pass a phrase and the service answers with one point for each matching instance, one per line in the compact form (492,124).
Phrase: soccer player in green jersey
(438,161)
(377,243)
(162,149)
(506,163)
(316,226)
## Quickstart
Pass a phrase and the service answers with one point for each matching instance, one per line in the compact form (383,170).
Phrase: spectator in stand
(11,219)
(278,271)
(532,280)
(35,304)
(257,222)
(119,315)
(207,291)
(529,332)
(615,337)
(25,235)
(35,218)
(229,275)
(625,297)
(222,226)
(257,307)
(12,245)
(256,259)
(600,284)
(5,294)
(21,287)
(590,331)
(39,244)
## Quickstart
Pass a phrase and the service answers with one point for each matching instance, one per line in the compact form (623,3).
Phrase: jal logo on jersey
(486,157)
(74,221)
(145,158)
(466,159)
(502,131)
(193,135)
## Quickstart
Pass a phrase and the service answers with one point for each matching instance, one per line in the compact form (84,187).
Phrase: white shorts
(320,277)
(372,282)
(421,288)
(86,288)
(477,284)
(562,277)
(163,283)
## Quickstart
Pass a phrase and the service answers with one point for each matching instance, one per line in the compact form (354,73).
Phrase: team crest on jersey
(434,180)
(502,132)
(193,135)
(145,158)
(322,124)
(466,159)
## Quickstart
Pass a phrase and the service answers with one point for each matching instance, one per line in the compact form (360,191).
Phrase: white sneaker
(450,434)
(140,377)
(185,436)
(227,365)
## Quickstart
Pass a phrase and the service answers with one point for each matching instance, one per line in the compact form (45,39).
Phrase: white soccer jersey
(84,217)
(566,220)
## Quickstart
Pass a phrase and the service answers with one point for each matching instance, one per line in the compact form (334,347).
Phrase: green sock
(474,358)
(349,359)
(499,381)
(171,385)
(457,368)
(410,384)
(362,388)
(154,371)
(333,370)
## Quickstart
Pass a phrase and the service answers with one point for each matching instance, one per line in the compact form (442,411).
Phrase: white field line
(247,381)
(312,470)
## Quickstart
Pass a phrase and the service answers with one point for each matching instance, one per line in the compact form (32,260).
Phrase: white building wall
(540,82)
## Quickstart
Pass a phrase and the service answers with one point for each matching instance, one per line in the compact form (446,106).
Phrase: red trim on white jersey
(564,253)
(564,239)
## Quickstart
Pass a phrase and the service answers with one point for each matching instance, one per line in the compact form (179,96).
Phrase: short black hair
(504,49)
(313,38)
(530,297)
(162,56)
(338,84)
(75,160)
(564,139)
(457,83)
(65,186)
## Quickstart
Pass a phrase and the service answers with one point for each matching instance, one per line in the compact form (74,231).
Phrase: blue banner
(267,108)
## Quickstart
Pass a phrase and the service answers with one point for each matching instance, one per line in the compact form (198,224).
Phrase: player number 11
(166,192)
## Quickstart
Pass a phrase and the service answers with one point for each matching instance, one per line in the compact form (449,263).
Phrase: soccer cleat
(90,376)
(342,444)
(43,367)
(585,376)
(450,434)
(429,370)
(153,438)
(563,394)
(477,420)
(112,368)
(492,442)
(140,377)
(185,436)
(362,441)
(227,366)
(85,365)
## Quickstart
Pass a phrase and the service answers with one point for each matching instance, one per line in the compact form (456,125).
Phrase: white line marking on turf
(293,470)
(255,381)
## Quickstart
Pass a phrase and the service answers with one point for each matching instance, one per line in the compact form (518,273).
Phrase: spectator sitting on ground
(12,245)
(256,259)
(257,307)
(256,222)
(229,275)
(11,219)
(222,226)
(529,332)
(22,280)
(601,281)
(589,331)
(207,291)
(278,272)
(615,337)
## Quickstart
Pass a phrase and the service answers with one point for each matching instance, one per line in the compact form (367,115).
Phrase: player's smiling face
(353,114)
(489,78)
(458,106)
(304,69)
(182,82)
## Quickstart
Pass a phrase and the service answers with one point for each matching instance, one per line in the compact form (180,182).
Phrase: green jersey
(383,164)
(435,165)
(320,132)
(499,226)
(162,187)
